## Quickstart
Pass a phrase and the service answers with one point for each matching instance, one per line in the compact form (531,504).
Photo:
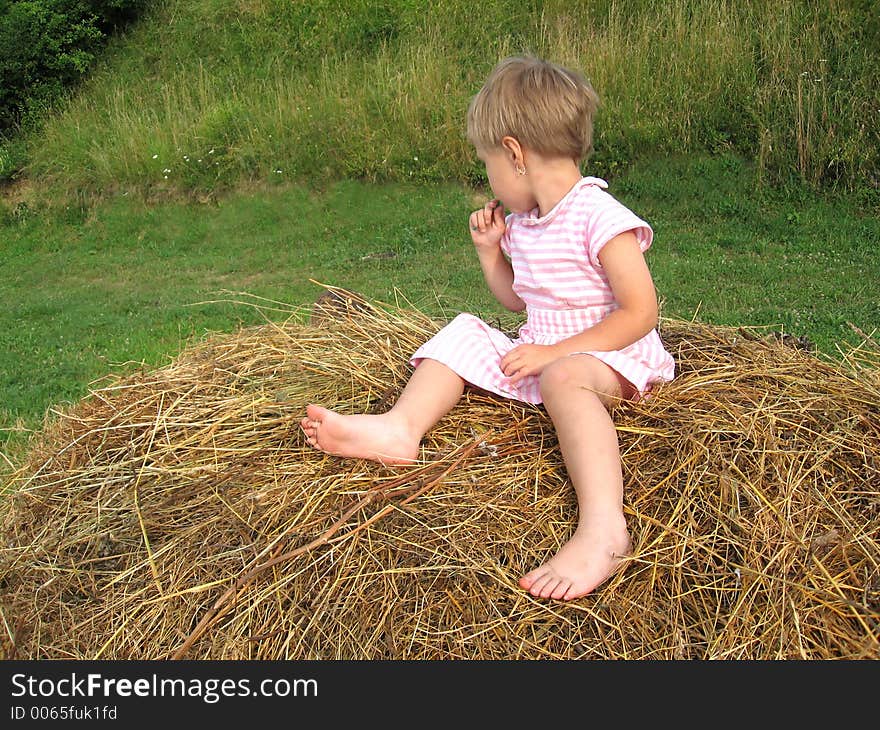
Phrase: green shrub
(47,46)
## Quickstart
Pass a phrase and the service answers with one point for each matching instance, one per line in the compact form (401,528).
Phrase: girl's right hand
(487,225)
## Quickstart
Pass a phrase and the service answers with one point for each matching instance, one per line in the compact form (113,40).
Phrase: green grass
(85,297)
(738,254)
(96,293)
(205,94)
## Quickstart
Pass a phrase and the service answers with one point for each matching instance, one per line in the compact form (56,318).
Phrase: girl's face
(509,186)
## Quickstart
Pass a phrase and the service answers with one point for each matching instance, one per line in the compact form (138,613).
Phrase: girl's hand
(525,360)
(487,225)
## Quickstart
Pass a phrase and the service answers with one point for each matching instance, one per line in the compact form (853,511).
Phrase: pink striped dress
(558,275)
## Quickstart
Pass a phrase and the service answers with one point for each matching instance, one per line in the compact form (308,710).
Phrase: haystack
(177,512)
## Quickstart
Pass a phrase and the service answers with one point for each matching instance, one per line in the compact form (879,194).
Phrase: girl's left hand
(525,360)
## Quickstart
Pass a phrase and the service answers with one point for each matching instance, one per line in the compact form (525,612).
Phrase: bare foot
(377,437)
(588,559)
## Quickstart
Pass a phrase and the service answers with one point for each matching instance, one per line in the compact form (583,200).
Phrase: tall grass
(205,94)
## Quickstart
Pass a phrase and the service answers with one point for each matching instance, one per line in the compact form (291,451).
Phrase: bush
(47,46)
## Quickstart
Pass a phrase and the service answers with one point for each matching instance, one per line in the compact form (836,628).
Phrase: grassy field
(131,284)
(205,94)
(252,146)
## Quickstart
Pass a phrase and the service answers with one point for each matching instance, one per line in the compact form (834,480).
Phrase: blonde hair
(544,106)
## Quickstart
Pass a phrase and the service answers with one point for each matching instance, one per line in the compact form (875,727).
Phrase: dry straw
(178,513)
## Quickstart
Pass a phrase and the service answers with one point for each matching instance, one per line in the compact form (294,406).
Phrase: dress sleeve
(610,218)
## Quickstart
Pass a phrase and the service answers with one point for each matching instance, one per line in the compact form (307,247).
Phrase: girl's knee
(560,374)
(581,371)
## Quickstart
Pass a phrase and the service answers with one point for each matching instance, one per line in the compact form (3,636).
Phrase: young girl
(571,256)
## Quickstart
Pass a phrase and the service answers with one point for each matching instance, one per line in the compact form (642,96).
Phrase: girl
(571,256)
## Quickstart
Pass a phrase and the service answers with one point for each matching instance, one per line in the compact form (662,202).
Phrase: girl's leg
(392,437)
(577,392)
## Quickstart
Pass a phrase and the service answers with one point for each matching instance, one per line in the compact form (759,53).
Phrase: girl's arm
(487,227)
(498,274)
(633,288)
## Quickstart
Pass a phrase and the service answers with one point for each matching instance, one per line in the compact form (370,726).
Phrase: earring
(520,169)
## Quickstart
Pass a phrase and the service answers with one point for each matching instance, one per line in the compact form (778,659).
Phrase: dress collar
(533,219)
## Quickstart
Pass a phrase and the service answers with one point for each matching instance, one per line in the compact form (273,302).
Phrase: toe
(528,580)
(316,413)
(550,587)
(540,584)
(561,589)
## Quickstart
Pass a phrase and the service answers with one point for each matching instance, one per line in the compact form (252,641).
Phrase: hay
(178,513)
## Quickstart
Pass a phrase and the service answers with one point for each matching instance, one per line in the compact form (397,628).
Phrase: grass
(207,94)
(93,293)
(736,254)
(125,285)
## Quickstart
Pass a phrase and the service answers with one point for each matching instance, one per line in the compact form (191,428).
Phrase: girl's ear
(513,149)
